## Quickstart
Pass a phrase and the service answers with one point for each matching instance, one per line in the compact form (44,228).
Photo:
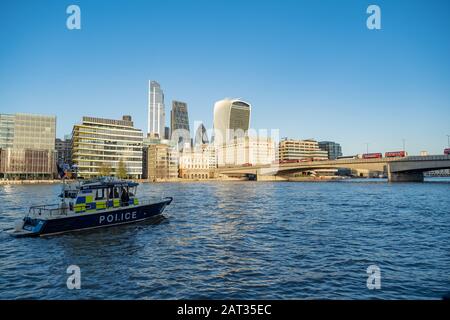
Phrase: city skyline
(329,77)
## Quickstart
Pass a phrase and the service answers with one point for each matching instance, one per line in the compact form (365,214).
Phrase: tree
(105,170)
(121,170)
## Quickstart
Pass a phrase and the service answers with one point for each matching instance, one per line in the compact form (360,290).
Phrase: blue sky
(310,68)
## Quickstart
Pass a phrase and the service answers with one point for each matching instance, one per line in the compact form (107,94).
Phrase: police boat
(91,204)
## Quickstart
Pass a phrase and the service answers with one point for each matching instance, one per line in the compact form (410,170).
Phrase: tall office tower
(27,146)
(179,123)
(156,110)
(99,146)
(231,120)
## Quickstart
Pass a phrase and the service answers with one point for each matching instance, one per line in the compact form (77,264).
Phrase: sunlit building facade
(198,163)
(290,149)
(160,159)
(246,151)
(98,143)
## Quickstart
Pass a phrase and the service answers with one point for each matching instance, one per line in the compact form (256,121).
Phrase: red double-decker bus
(447,151)
(395,154)
(372,155)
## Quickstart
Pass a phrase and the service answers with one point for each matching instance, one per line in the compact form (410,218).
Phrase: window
(99,194)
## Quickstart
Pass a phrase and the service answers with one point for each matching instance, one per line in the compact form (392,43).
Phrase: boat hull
(107,218)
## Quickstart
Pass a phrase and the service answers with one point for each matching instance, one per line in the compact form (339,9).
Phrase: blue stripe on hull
(104,219)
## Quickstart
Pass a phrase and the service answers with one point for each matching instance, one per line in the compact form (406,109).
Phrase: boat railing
(47,210)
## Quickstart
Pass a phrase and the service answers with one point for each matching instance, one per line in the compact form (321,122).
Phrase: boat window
(116,192)
(70,194)
(100,194)
(124,197)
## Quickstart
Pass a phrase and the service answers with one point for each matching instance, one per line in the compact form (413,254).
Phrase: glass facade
(201,136)
(6,130)
(231,120)
(64,151)
(334,149)
(239,119)
(27,146)
(156,110)
(179,123)
(104,143)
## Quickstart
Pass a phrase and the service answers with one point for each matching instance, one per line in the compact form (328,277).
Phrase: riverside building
(198,163)
(246,151)
(102,145)
(27,146)
(160,159)
(334,149)
(290,149)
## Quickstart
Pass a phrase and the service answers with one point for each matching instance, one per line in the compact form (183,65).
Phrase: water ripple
(237,240)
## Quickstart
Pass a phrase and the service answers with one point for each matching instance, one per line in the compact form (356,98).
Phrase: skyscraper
(231,120)
(201,136)
(179,123)
(156,110)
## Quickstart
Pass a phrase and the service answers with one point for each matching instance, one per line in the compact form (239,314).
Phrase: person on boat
(125,198)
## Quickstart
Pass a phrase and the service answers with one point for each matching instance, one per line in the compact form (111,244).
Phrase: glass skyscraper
(179,123)
(201,136)
(156,110)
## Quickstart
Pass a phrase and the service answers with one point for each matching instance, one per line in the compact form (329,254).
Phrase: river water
(244,240)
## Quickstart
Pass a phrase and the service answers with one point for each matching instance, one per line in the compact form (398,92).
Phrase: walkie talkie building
(231,120)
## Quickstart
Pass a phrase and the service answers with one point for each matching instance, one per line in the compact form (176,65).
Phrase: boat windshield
(72,194)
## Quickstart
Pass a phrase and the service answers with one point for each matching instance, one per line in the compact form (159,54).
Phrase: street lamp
(404,143)
(367,147)
(448,137)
